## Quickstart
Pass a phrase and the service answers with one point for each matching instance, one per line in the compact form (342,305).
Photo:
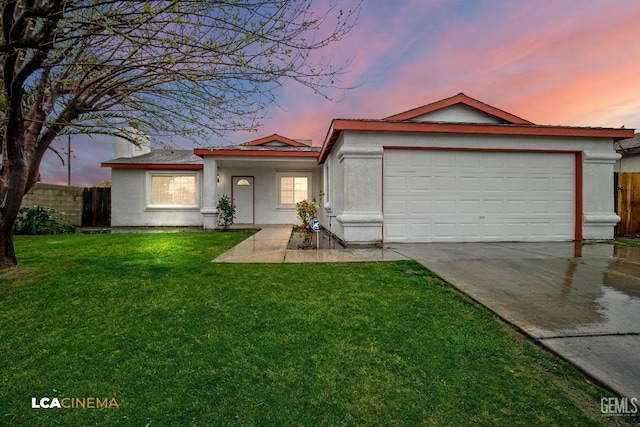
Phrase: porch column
(361,218)
(209,210)
(599,217)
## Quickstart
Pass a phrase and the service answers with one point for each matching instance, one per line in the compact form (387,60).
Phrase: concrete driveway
(580,301)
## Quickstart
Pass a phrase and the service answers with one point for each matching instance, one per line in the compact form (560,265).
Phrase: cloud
(551,62)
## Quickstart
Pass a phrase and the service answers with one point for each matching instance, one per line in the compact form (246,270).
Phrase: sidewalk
(269,245)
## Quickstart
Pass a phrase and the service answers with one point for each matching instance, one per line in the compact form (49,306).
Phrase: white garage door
(468,196)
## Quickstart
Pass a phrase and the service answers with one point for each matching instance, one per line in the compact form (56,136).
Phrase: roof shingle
(161,157)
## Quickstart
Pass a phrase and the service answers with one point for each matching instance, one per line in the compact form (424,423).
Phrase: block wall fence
(60,197)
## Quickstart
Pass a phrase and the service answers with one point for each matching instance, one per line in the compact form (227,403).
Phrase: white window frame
(327,185)
(295,174)
(165,206)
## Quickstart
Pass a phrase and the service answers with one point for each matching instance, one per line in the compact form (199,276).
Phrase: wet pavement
(270,245)
(580,301)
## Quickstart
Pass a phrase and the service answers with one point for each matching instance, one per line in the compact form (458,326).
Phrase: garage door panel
(420,208)
(560,228)
(420,184)
(468,184)
(397,161)
(493,207)
(445,183)
(516,207)
(540,206)
(444,230)
(447,207)
(563,208)
(493,184)
(396,231)
(472,231)
(552,161)
(564,185)
(469,206)
(396,206)
(538,184)
(493,230)
(396,183)
(499,163)
(478,196)
(515,184)
(437,164)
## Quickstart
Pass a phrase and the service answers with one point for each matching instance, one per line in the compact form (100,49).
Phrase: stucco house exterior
(164,187)
(456,170)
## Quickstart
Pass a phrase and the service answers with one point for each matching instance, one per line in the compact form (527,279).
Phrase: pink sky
(568,62)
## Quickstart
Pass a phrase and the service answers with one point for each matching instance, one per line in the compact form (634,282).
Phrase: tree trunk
(7,251)
(11,195)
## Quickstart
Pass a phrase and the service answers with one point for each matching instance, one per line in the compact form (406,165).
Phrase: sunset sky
(555,62)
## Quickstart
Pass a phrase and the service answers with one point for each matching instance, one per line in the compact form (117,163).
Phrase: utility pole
(69,160)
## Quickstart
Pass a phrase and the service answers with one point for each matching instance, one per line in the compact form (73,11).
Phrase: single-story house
(627,182)
(456,170)
(629,150)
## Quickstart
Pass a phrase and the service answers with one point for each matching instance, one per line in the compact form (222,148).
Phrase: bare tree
(187,67)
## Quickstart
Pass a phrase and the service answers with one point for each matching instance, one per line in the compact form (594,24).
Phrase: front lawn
(147,321)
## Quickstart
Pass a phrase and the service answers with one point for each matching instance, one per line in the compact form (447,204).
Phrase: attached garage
(467,196)
(460,170)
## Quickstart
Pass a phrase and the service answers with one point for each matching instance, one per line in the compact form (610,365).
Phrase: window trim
(165,206)
(327,185)
(293,174)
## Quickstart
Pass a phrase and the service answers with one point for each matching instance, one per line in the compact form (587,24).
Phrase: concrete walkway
(270,245)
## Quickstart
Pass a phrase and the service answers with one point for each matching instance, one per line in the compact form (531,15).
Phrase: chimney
(125,148)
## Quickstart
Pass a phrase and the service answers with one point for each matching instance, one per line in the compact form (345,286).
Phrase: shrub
(307,210)
(41,220)
(226,212)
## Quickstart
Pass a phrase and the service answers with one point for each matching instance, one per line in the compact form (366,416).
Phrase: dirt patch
(15,272)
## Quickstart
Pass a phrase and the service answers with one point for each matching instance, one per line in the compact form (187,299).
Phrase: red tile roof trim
(460,98)
(276,137)
(253,153)
(340,125)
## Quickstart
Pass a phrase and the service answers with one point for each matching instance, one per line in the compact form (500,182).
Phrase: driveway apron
(580,301)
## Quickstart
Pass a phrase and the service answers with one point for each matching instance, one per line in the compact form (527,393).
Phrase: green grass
(626,241)
(177,340)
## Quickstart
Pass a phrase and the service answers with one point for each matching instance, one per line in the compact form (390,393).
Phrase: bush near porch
(177,340)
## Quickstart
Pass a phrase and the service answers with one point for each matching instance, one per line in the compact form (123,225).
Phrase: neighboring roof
(158,159)
(460,98)
(628,146)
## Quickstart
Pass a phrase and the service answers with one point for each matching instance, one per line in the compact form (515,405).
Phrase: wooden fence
(627,202)
(96,207)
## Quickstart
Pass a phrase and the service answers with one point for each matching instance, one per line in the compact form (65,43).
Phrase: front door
(242,195)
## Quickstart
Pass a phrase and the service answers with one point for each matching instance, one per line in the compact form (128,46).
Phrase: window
(173,190)
(327,185)
(293,188)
